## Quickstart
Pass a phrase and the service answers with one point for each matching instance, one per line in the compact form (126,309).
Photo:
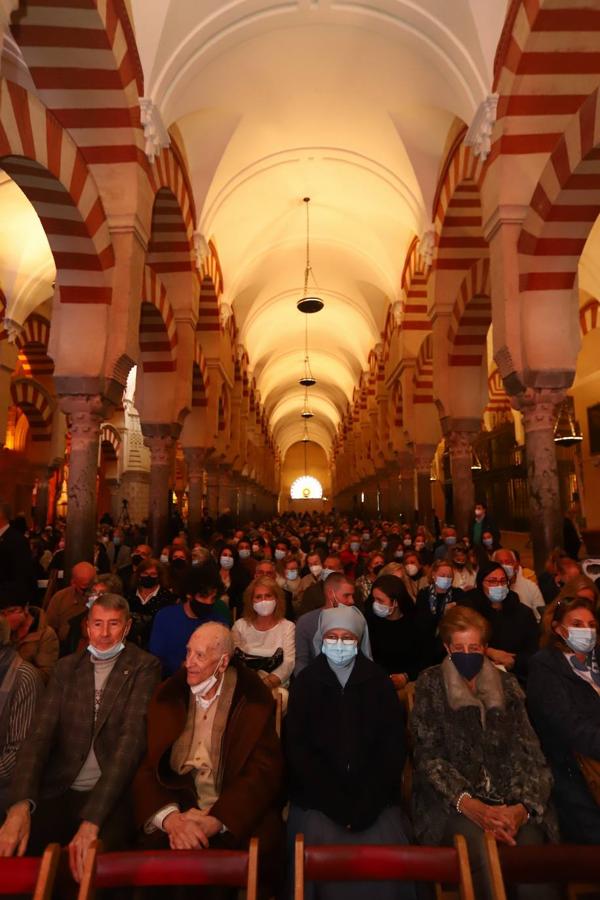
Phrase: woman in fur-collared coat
(478,762)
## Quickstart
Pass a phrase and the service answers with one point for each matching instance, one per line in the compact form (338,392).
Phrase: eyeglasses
(496,582)
(346,642)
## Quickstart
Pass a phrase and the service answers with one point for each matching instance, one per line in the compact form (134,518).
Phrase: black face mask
(377,569)
(136,559)
(178,564)
(148,581)
(199,608)
(467,664)
(459,565)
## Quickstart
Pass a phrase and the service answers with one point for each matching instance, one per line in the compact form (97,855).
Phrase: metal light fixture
(308,303)
(475,462)
(566,430)
(306,412)
(308,378)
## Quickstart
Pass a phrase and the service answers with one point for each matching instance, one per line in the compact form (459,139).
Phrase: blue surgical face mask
(581,640)
(226,562)
(291,574)
(382,609)
(498,593)
(450,541)
(510,571)
(443,582)
(106,654)
(354,546)
(244,554)
(338,653)
(488,542)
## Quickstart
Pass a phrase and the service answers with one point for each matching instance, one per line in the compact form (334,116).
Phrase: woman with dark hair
(148,595)
(563,698)
(364,583)
(514,633)
(234,577)
(394,630)
(433,601)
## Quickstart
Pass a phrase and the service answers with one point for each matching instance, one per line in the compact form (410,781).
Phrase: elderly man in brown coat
(213,771)
(72,774)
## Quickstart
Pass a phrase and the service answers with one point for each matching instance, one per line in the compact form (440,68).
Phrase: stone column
(407,494)
(546,517)
(195,458)
(423,459)
(85,414)
(42,474)
(160,441)
(212,490)
(463,489)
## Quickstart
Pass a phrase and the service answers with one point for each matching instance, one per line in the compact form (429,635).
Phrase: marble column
(460,444)
(407,494)
(85,414)
(423,459)
(161,443)
(539,409)
(195,458)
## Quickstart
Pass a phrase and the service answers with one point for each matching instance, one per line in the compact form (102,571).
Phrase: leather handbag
(266,664)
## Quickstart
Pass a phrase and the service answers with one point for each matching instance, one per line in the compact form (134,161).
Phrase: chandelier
(308,303)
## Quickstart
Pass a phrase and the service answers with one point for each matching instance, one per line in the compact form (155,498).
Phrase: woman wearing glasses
(478,762)
(563,698)
(514,633)
(345,749)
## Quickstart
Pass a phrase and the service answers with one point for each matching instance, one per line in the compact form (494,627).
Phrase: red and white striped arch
(36,404)
(589,316)
(169,172)
(32,345)
(397,404)
(211,288)
(415,276)
(547,63)
(564,206)
(169,249)
(48,167)
(498,398)
(457,209)
(110,436)
(423,377)
(83,60)
(200,379)
(157,333)
(471,317)
(3,331)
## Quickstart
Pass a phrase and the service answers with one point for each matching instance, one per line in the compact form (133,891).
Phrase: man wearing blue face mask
(73,772)
(345,750)
(514,630)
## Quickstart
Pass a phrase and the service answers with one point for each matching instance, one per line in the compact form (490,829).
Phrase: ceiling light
(566,430)
(308,303)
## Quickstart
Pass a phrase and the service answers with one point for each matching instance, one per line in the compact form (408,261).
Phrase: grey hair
(112,582)
(504,550)
(113,602)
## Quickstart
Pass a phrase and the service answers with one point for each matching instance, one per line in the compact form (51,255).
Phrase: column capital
(160,440)
(85,413)
(461,443)
(539,407)
(196,459)
(424,454)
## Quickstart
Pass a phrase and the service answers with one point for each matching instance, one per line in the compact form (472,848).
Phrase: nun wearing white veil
(345,749)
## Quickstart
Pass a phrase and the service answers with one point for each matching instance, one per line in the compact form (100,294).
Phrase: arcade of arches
(154,155)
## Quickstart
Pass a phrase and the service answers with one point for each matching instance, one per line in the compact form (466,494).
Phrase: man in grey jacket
(72,775)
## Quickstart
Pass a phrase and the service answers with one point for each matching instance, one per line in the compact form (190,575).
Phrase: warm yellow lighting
(306,488)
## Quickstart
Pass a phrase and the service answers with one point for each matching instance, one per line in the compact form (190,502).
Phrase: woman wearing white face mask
(514,634)
(264,636)
(563,699)
(432,602)
(395,630)
(415,577)
(234,577)
(345,751)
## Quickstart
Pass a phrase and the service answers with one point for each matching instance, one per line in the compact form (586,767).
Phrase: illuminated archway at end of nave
(306,488)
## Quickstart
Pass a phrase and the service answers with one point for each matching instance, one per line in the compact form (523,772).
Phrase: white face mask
(316,570)
(264,607)
(226,562)
(411,569)
(292,574)
(164,558)
(199,690)
(280,554)
(382,609)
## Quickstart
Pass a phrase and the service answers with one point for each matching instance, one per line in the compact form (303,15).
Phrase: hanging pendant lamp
(307,380)
(566,430)
(308,303)
(306,412)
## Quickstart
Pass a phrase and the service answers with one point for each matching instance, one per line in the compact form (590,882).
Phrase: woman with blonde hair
(581,586)
(263,637)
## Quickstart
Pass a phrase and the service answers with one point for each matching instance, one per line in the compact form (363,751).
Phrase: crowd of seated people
(186,698)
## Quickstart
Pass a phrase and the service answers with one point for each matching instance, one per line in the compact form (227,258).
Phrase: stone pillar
(195,458)
(161,443)
(546,517)
(423,459)
(463,489)
(84,413)
(407,494)
(42,475)
(212,490)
